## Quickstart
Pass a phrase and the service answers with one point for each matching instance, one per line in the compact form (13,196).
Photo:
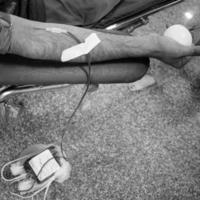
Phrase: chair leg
(7,91)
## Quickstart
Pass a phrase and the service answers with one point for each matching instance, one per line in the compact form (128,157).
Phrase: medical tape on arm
(81,49)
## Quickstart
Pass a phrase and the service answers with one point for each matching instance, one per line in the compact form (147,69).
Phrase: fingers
(196,51)
(181,62)
(190,51)
(174,49)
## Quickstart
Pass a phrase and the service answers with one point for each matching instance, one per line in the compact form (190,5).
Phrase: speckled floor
(124,145)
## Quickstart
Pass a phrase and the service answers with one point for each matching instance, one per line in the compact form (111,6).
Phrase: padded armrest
(16,70)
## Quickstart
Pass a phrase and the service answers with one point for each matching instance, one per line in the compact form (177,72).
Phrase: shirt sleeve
(5,33)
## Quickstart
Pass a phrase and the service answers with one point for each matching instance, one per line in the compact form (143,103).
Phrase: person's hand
(171,52)
(65,170)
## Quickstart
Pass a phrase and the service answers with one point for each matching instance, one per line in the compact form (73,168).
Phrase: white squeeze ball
(180,34)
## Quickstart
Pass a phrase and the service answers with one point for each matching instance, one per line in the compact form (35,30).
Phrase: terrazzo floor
(123,145)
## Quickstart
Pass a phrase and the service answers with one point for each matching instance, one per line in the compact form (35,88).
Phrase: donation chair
(29,75)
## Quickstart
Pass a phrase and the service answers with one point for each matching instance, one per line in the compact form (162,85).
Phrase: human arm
(30,39)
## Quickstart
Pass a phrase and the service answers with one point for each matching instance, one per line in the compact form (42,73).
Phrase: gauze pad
(81,49)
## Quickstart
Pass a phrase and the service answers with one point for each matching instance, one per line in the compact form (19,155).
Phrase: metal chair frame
(133,22)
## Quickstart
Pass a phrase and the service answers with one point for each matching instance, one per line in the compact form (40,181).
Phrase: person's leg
(77,12)
(93,13)
(126,9)
(19,71)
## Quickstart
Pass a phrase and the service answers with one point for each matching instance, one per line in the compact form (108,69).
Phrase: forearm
(30,39)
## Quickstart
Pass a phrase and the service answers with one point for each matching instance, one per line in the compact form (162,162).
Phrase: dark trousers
(93,12)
